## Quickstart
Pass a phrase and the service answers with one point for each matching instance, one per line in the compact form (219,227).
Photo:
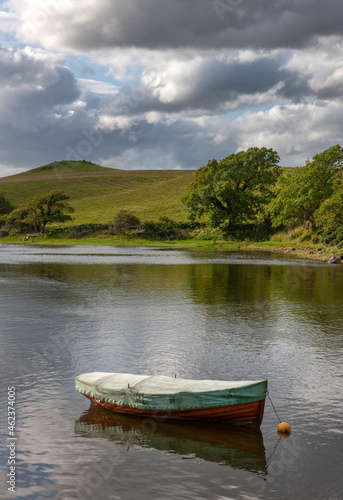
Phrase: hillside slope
(97,193)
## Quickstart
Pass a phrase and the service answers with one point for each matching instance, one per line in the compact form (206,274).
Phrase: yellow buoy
(284,429)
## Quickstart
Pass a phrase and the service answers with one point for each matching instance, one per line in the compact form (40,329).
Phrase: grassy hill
(98,193)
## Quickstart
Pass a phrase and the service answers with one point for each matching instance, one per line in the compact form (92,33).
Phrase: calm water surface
(69,310)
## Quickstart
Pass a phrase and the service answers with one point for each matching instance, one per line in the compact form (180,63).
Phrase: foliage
(333,236)
(234,190)
(5,205)
(300,195)
(258,231)
(163,228)
(330,212)
(125,219)
(80,231)
(37,212)
(17,221)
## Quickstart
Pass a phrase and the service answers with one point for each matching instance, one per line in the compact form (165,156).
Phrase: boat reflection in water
(236,447)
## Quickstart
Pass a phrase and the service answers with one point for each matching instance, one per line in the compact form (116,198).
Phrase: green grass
(98,193)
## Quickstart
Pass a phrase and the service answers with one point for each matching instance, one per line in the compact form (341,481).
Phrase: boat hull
(245,414)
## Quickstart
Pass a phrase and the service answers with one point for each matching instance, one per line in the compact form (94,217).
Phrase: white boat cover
(167,393)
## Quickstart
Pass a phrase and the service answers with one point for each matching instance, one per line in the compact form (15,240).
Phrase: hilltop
(97,193)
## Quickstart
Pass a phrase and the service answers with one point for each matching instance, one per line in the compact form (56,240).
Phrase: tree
(37,212)
(299,195)
(125,219)
(17,220)
(330,212)
(5,205)
(235,189)
(163,228)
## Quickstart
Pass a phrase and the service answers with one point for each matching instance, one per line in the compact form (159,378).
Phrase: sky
(157,84)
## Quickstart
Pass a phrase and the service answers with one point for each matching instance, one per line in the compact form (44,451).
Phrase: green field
(98,193)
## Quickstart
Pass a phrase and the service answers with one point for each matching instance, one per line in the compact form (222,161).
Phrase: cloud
(211,85)
(39,97)
(8,22)
(97,87)
(32,85)
(171,119)
(47,115)
(296,131)
(192,81)
(152,24)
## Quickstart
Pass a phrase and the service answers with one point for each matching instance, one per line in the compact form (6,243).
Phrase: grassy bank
(278,245)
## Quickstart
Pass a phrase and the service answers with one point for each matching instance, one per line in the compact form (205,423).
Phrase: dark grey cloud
(211,86)
(199,24)
(45,117)
(144,145)
(37,94)
(32,85)
(296,87)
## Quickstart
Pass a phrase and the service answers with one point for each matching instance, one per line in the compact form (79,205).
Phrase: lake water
(228,316)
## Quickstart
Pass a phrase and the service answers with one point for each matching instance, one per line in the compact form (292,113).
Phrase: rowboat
(160,397)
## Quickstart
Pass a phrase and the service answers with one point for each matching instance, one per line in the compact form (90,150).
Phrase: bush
(124,220)
(5,206)
(163,228)
(306,236)
(339,236)
(296,234)
(18,222)
(333,236)
(252,232)
(75,232)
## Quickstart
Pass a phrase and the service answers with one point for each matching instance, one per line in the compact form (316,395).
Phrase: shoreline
(313,252)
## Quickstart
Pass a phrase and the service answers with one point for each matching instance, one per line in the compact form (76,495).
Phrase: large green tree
(234,190)
(37,212)
(300,194)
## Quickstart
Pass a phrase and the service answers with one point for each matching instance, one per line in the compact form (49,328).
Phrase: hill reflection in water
(237,447)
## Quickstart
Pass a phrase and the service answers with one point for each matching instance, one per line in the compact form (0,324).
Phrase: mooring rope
(272,453)
(278,441)
(276,413)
